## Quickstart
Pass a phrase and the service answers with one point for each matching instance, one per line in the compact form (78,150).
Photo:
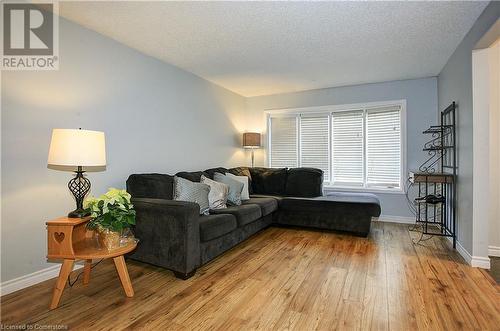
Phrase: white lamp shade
(69,147)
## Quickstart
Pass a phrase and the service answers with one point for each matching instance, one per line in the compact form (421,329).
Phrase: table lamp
(76,149)
(251,140)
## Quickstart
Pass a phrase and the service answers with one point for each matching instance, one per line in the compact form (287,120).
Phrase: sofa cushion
(244,214)
(212,171)
(304,182)
(154,186)
(278,198)
(267,205)
(214,226)
(268,180)
(369,202)
(243,171)
(193,176)
(351,212)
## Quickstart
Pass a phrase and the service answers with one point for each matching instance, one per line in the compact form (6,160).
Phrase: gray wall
(156,118)
(455,84)
(421,97)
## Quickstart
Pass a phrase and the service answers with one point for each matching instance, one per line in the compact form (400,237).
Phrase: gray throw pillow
(245,195)
(186,190)
(235,188)
(217,197)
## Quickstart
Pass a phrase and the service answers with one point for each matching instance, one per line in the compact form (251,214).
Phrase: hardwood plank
(375,313)
(86,271)
(283,278)
(269,302)
(301,300)
(217,276)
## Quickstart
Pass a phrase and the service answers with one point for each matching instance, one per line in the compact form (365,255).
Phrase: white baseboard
(482,262)
(396,219)
(36,277)
(494,251)
(462,251)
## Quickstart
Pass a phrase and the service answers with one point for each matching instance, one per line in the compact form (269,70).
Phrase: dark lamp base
(79,186)
(78,213)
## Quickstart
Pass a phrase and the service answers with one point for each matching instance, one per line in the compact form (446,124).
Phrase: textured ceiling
(259,48)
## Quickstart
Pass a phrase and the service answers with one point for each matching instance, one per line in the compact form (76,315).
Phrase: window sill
(327,189)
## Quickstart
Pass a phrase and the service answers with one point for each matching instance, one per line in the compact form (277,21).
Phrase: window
(356,146)
(284,142)
(314,143)
(347,142)
(383,147)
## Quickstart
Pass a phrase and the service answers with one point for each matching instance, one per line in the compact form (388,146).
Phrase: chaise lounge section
(173,235)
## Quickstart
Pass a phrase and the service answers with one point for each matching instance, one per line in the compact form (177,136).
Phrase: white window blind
(356,146)
(383,150)
(284,151)
(314,143)
(347,145)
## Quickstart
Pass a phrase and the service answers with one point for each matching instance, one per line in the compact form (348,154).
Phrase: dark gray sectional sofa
(173,235)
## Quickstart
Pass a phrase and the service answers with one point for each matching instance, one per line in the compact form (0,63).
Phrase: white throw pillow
(243,179)
(217,197)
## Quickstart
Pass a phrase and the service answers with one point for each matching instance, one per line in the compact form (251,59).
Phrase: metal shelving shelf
(437,129)
(436,179)
(437,148)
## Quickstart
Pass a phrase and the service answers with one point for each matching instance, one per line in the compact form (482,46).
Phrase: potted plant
(112,215)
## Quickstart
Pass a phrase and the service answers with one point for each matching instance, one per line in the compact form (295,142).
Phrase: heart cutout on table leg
(59,236)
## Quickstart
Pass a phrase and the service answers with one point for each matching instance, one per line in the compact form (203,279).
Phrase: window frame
(329,109)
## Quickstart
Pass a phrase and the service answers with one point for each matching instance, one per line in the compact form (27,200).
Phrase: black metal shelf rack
(436,179)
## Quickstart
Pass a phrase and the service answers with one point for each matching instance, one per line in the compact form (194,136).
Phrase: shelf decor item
(112,216)
(251,140)
(74,150)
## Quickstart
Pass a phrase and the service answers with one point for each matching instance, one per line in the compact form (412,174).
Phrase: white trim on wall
(494,251)
(482,262)
(333,108)
(327,188)
(485,194)
(395,219)
(34,278)
(463,252)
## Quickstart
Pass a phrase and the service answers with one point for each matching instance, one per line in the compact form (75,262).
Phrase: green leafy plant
(112,210)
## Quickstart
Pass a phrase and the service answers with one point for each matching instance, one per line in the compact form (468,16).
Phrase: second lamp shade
(251,140)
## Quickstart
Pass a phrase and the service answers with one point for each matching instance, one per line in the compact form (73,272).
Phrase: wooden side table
(70,240)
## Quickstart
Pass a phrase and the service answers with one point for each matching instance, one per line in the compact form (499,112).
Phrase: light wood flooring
(280,279)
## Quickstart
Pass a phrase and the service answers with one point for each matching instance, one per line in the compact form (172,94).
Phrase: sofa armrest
(169,235)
